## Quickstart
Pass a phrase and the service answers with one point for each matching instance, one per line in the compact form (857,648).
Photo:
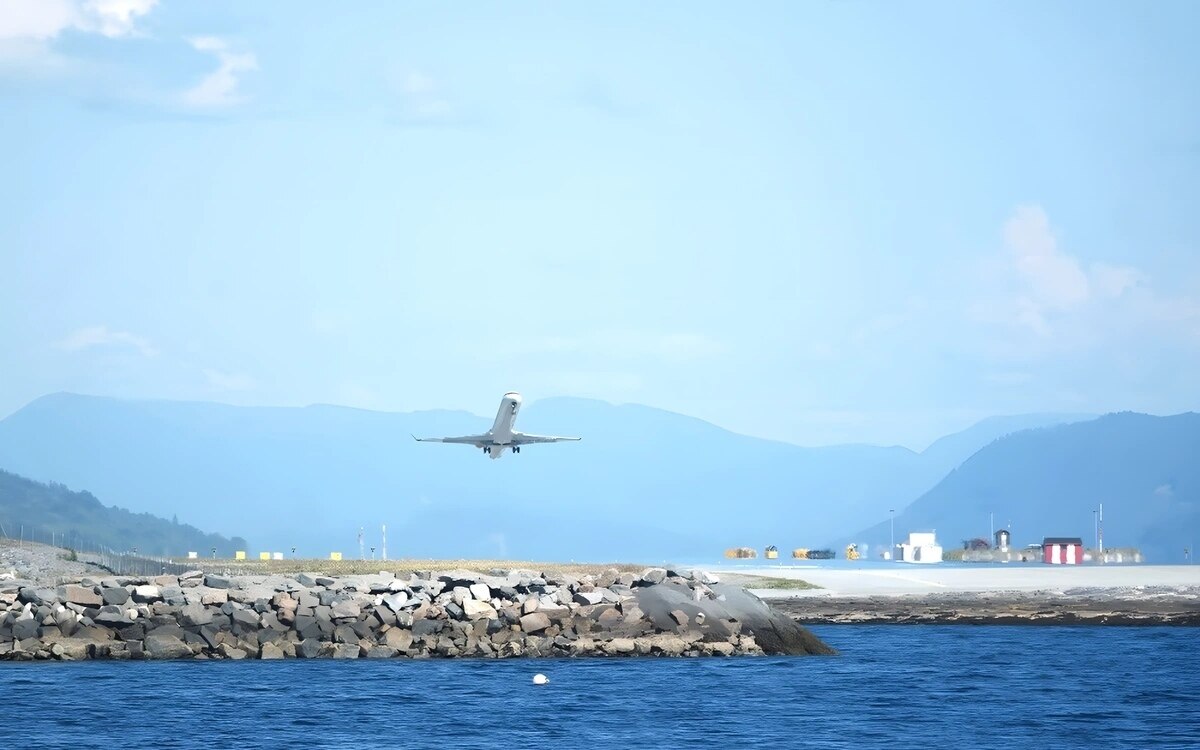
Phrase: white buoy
(540,679)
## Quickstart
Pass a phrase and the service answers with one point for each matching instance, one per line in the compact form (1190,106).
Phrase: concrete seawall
(456,613)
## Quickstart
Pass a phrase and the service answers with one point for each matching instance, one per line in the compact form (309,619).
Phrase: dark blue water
(938,686)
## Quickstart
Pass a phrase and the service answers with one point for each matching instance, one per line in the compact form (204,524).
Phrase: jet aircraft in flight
(502,435)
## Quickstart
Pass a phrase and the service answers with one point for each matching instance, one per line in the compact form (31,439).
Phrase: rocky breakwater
(424,614)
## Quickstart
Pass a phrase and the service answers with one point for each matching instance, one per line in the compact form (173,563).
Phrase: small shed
(1002,539)
(1062,550)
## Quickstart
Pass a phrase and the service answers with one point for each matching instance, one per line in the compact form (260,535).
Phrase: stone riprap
(457,613)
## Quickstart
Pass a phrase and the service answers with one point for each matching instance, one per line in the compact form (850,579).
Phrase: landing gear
(516,449)
(487,449)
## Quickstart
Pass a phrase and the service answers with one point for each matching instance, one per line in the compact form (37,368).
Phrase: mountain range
(1144,471)
(52,513)
(643,484)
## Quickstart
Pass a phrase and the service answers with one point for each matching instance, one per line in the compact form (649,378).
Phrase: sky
(821,222)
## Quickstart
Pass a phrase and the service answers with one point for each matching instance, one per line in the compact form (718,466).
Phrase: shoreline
(1002,608)
(426,614)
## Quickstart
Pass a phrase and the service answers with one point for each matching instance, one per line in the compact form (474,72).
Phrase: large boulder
(476,610)
(774,632)
(195,614)
(165,646)
(534,622)
(83,595)
(114,596)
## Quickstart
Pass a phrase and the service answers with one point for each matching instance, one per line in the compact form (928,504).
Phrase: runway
(878,579)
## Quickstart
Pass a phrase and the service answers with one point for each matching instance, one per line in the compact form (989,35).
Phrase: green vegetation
(794,584)
(53,514)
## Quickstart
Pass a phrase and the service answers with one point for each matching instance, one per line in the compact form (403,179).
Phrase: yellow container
(239,555)
(264,555)
(335,555)
(772,554)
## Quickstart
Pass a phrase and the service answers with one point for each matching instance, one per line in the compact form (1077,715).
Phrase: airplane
(502,435)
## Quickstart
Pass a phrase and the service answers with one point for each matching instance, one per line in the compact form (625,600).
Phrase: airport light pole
(892,517)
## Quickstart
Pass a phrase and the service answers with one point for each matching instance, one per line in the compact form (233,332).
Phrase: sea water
(890,686)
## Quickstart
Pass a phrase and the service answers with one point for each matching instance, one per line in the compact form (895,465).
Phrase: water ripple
(1116,687)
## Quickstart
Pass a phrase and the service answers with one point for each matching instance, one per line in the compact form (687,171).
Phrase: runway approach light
(541,679)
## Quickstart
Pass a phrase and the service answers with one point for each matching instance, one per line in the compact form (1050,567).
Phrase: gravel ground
(38,562)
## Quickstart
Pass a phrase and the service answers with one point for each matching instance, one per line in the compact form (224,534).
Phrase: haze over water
(955,686)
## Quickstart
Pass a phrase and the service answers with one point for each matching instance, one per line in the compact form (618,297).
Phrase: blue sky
(814,221)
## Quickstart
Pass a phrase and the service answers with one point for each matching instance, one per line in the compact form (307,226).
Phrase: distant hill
(643,484)
(33,510)
(1046,482)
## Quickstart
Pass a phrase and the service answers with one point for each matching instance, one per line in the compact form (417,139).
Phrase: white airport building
(921,547)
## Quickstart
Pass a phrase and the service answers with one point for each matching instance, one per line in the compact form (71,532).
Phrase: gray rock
(146,593)
(399,639)
(218,582)
(230,651)
(214,596)
(325,581)
(309,648)
(195,615)
(36,596)
(306,579)
(344,609)
(588,597)
(680,617)
(345,634)
(270,651)
(535,622)
(346,651)
(480,591)
(476,610)
(396,601)
(381,652)
(165,646)
(82,595)
(654,575)
(28,628)
(111,616)
(247,618)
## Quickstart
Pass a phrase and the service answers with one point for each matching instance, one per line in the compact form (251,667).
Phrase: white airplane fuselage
(502,429)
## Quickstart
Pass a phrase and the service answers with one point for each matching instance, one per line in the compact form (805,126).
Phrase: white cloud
(1054,283)
(93,336)
(46,19)
(29,28)
(114,18)
(36,19)
(1055,278)
(220,87)
(229,381)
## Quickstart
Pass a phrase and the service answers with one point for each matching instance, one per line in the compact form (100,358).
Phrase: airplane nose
(513,395)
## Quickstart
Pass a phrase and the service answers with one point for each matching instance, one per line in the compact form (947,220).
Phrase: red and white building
(1062,550)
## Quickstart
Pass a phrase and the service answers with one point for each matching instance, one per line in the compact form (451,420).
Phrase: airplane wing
(464,439)
(521,438)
